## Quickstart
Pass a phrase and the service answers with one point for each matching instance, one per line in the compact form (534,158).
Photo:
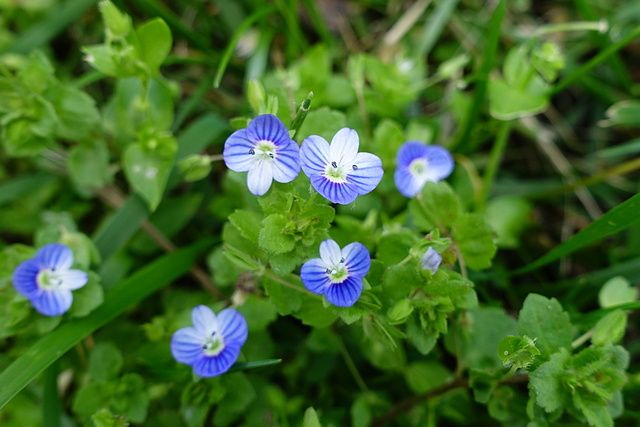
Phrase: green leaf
(509,217)
(617,219)
(104,418)
(87,298)
(245,366)
(399,280)
(610,329)
(248,223)
(138,286)
(546,382)
(105,362)
(274,237)
(76,111)
(437,205)
(313,313)
(510,102)
(99,57)
(155,43)
(424,341)
(400,312)
(474,238)
(311,418)
(147,172)
(89,165)
(258,312)
(323,122)
(544,320)
(118,23)
(284,299)
(517,351)
(426,376)
(623,113)
(617,290)
(388,136)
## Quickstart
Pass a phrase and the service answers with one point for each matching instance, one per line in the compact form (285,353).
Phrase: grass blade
(52,346)
(13,189)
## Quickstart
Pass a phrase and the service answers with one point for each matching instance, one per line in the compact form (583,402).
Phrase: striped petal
(186,345)
(268,127)
(330,252)
(341,193)
(406,183)
(410,151)
(204,320)
(233,327)
(368,173)
(344,294)
(357,259)
(286,165)
(211,366)
(440,162)
(260,177)
(236,151)
(53,302)
(314,155)
(313,274)
(55,256)
(344,146)
(25,278)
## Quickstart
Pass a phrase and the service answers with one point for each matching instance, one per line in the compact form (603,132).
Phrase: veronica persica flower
(47,279)
(338,273)
(213,343)
(265,150)
(431,260)
(418,164)
(338,171)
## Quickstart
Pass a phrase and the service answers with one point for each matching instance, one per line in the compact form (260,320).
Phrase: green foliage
(544,320)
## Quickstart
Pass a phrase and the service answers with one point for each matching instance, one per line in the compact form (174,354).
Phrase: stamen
(271,155)
(328,271)
(355,167)
(252,151)
(334,164)
(342,260)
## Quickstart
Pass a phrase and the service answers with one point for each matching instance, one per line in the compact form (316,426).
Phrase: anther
(342,260)
(252,151)
(355,167)
(334,164)
(328,271)
(271,155)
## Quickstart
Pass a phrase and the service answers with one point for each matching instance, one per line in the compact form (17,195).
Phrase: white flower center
(49,279)
(419,167)
(338,173)
(338,273)
(213,344)
(264,150)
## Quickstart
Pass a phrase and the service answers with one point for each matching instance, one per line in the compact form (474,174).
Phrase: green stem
(290,285)
(572,26)
(582,339)
(350,365)
(51,407)
(495,157)
(603,55)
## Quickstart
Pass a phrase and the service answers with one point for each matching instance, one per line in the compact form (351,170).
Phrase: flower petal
(53,302)
(431,260)
(330,253)
(410,151)
(357,259)
(407,183)
(204,320)
(236,151)
(25,278)
(286,165)
(233,327)
(314,155)
(344,294)
(313,274)
(342,193)
(260,176)
(344,146)
(368,174)
(268,127)
(73,279)
(211,366)
(55,256)
(440,163)
(186,345)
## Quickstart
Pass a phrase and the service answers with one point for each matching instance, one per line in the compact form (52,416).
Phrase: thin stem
(463,265)
(291,285)
(604,54)
(216,157)
(582,339)
(497,151)
(600,26)
(350,365)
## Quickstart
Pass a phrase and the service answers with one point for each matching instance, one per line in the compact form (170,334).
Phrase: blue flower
(265,150)
(213,343)
(418,164)
(431,260)
(339,172)
(337,274)
(47,279)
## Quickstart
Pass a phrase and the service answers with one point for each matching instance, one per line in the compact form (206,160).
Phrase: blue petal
(336,193)
(268,127)
(24,278)
(357,259)
(236,151)
(286,165)
(204,320)
(233,327)
(260,177)
(73,279)
(440,162)
(330,252)
(186,345)
(313,274)
(210,366)
(431,260)
(314,155)
(344,294)
(406,182)
(55,256)
(53,302)
(410,151)
(368,174)
(344,146)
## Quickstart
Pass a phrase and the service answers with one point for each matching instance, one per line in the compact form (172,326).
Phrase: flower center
(48,279)
(337,173)
(213,345)
(264,150)
(419,167)
(338,273)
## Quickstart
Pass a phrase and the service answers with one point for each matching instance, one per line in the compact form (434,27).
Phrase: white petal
(344,146)
(204,320)
(286,165)
(73,279)
(260,177)
(330,252)
(55,256)
(236,152)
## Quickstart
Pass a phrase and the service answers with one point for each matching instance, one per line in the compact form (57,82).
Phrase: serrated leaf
(273,235)
(544,321)
(517,351)
(546,382)
(248,223)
